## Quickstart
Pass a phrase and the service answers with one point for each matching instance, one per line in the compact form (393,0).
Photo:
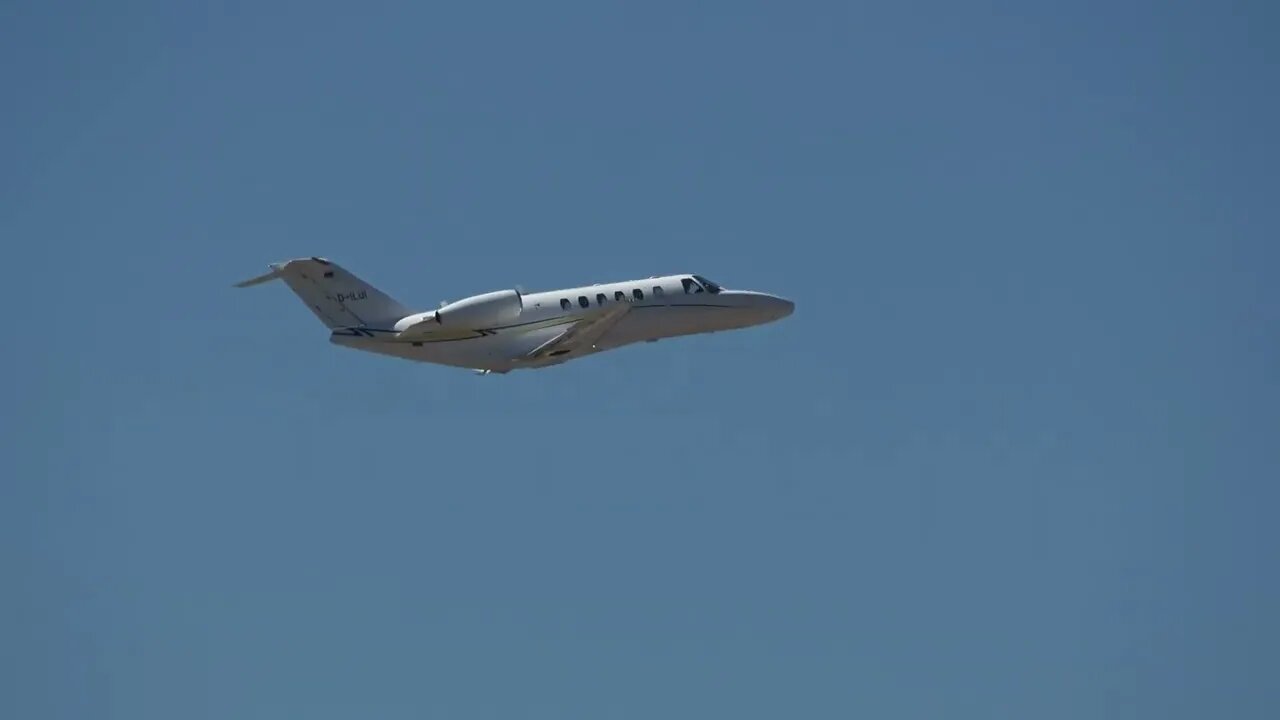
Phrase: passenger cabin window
(564,303)
(583,301)
(690,287)
(637,294)
(657,291)
(620,296)
(600,299)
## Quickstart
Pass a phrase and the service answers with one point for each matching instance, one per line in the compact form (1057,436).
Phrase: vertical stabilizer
(337,297)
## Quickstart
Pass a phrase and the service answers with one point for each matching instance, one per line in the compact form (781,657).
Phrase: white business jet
(506,330)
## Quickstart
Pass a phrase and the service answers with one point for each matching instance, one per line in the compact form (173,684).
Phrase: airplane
(497,332)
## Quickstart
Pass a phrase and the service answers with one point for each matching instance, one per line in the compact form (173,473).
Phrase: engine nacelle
(501,307)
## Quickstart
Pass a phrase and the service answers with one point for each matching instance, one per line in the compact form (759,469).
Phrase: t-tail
(338,298)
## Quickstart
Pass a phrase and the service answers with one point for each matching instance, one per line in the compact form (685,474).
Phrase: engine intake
(501,307)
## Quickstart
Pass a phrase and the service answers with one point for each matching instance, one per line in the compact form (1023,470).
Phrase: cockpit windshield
(710,286)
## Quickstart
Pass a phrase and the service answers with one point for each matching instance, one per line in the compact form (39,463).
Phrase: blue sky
(1014,455)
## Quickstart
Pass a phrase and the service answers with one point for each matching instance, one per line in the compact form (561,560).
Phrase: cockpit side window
(690,287)
(710,286)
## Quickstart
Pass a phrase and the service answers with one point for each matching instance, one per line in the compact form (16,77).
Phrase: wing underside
(583,334)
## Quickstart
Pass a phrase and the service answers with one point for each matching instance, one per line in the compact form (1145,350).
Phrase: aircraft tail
(337,297)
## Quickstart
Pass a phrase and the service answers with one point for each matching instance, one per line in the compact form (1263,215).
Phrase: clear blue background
(1015,455)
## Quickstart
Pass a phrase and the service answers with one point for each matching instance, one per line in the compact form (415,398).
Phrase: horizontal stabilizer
(338,298)
(266,277)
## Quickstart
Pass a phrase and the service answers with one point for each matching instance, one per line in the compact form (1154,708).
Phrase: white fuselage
(661,307)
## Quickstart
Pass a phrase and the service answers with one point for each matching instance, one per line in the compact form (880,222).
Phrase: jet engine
(501,307)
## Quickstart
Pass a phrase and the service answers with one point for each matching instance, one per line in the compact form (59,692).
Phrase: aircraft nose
(769,307)
(781,307)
